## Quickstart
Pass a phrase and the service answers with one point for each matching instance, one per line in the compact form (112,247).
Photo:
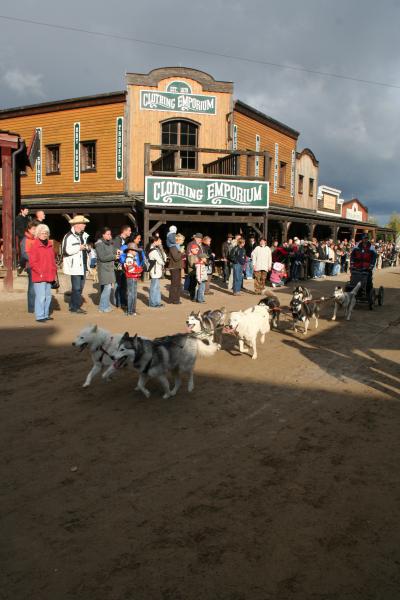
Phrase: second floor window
(181,133)
(88,156)
(311,187)
(282,175)
(301,183)
(53,159)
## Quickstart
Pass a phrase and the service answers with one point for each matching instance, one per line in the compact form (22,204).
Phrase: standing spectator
(120,243)
(175,268)
(21,224)
(226,248)
(44,271)
(74,250)
(26,246)
(238,259)
(206,244)
(251,244)
(133,272)
(106,256)
(262,263)
(201,277)
(193,249)
(171,237)
(157,259)
(40,216)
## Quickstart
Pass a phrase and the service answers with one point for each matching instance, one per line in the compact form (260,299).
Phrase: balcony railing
(172,161)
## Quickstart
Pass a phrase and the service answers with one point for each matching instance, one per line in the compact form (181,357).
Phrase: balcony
(189,161)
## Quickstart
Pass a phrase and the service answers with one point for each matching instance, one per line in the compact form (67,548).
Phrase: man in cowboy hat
(74,250)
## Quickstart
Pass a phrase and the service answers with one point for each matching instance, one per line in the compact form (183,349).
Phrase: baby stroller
(366,294)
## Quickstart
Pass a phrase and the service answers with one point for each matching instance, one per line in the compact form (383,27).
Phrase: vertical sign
(77,154)
(276,168)
(119,166)
(235,137)
(293,173)
(38,173)
(257,158)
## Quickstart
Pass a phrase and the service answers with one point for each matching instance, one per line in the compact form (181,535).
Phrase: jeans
(131,288)
(237,277)
(155,293)
(77,285)
(201,288)
(249,269)
(335,269)
(120,288)
(226,271)
(42,300)
(295,270)
(31,292)
(104,304)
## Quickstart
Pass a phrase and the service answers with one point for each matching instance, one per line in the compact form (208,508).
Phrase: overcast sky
(353,128)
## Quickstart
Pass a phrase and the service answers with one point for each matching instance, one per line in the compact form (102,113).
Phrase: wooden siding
(96,123)
(145,127)
(306,167)
(247,130)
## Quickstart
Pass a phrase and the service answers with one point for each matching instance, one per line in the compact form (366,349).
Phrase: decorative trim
(310,154)
(153,78)
(77,152)
(276,165)
(39,162)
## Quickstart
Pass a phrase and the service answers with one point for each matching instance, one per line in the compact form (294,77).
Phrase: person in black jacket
(21,225)
(238,261)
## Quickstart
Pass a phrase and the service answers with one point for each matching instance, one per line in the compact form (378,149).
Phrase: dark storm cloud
(353,128)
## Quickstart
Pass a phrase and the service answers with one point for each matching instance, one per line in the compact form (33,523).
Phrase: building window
(282,174)
(88,156)
(311,187)
(181,133)
(301,183)
(53,159)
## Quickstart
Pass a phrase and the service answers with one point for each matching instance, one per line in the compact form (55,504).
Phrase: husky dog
(302,311)
(246,324)
(346,300)
(301,293)
(101,344)
(156,358)
(208,325)
(273,304)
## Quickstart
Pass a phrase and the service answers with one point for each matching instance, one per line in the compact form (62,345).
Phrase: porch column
(335,230)
(311,227)
(265,228)
(7,217)
(146,227)
(354,232)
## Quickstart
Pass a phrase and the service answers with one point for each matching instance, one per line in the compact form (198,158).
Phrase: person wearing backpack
(157,258)
(74,251)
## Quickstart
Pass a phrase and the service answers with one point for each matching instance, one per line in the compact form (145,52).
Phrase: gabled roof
(355,200)
(253,113)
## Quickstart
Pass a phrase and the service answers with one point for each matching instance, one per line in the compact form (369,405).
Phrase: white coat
(72,254)
(262,258)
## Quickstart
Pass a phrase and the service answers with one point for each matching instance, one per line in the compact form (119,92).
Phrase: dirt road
(275,479)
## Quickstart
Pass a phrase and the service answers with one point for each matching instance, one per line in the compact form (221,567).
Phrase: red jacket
(132,269)
(42,262)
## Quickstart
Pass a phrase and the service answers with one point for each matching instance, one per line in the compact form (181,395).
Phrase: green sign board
(178,102)
(77,154)
(119,173)
(206,193)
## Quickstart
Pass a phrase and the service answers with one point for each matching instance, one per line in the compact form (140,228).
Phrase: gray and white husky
(101,345)
(346,300)
(157,358)
(207,326)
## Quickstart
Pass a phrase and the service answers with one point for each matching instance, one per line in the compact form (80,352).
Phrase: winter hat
(173,229)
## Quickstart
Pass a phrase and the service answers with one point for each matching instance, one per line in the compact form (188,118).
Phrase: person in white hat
(74,250)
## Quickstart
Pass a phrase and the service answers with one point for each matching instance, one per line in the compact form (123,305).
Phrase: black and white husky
(303,311)
(345,300)
(101,345)
(300,292)
(274,305)
(207,326)
(157,358)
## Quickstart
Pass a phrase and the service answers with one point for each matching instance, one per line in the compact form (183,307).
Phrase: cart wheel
(371,299)
(381,295)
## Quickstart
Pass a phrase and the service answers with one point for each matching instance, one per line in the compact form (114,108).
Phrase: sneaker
(41,320)
(79,311)
(106,310)
(49,318)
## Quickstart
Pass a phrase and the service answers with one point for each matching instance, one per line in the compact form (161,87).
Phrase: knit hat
(173,229)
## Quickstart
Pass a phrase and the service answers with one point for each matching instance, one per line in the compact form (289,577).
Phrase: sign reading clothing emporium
(206,193)
(178,98)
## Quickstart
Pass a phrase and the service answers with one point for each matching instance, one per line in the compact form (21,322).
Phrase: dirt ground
(275,479)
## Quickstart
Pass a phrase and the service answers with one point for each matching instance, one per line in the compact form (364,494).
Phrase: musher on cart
(363,258)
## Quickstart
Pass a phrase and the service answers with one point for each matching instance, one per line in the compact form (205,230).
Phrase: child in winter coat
(201,276)
(171,238)
(278,275)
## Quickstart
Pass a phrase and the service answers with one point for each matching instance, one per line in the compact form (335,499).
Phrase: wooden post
(266,165)
(147,163)
(146,221)
(265,225)
(7,217)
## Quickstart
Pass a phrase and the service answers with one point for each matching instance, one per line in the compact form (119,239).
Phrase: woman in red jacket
(44,271)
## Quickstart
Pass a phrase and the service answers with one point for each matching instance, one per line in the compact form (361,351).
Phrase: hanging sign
(276,164)
(178,98)
(257,158)
(119,160)
(206,193)
(77,154)
(293,173)
(235,138)
(38,171)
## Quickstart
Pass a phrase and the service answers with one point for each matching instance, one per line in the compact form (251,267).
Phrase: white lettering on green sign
(77,154)
(204,192)
(119,173)
(178,102)
(38,171)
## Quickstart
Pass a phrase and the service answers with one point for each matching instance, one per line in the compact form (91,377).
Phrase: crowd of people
(121,262)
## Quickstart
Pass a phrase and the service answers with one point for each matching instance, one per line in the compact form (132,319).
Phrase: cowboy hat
(78,219)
